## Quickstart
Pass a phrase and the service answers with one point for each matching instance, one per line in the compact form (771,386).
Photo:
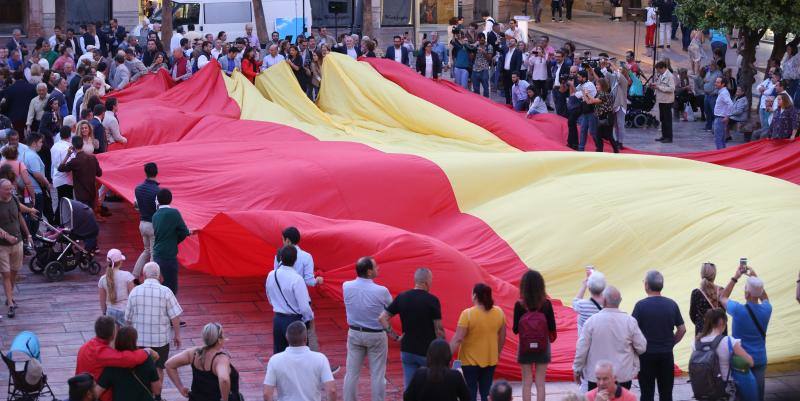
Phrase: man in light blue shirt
(750,320)
(440,49)
(288,296)
(29,157)
(364,302)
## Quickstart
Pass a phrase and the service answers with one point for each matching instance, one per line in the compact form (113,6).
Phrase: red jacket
(96,355)
(250,69)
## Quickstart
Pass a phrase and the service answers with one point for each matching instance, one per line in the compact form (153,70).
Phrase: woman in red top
(250,66)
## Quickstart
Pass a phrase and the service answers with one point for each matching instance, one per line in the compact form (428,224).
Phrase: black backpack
(704,373)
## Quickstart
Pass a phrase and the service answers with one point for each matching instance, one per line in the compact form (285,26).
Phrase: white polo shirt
(298,374)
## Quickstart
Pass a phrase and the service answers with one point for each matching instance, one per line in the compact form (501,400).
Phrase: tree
(261,22)
(166,24)
(751,17)
(61,14)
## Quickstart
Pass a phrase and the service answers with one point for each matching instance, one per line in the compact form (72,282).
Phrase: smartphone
(743,262)
(457,364)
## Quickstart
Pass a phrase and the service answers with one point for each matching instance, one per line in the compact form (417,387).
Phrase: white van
(231,16)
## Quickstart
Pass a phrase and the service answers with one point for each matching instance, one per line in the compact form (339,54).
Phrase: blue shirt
(440,49)
(146,199)
(718,35)
(304,266)
(34,164)
(364,301)
(744,328)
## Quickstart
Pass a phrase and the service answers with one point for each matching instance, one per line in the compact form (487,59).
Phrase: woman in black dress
(212,372)
(705,297)
(532,305)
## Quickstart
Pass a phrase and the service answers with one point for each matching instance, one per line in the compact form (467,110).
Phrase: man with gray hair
(151,309)
(10,242)
(661,323)
(586,308)
(421,319)
(36,108)
(500,391)
(607,387)
(612,335)
(297,373)
(750,320)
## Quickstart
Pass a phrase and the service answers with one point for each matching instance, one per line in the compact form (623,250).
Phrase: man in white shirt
(205,55)
(397,52)
(364,301)
(288,295)
(251,36)
(489,22)
(298,373)
(610,335)
(56,38)
(175,41)
(722,111)
(217,50)
(513,31)
(110,122)
(62,181)
(272,58)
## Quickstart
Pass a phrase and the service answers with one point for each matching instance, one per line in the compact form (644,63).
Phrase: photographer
(558,72)
(750,320)
(586,92)
(573,107)
(537,68)
(664,85)
(620,79)
(482,64)
(461,60)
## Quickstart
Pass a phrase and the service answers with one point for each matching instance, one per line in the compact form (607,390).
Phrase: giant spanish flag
(373,169)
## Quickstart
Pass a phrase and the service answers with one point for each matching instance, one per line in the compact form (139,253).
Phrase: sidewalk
(595,32)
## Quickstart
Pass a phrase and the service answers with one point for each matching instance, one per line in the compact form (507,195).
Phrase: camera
(456,30)
(590,62)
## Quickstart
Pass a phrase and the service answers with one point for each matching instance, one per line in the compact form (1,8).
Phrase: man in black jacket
(398,52)
(18,98)
(510,62)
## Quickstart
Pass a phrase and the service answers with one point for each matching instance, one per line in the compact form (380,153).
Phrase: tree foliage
(755,15)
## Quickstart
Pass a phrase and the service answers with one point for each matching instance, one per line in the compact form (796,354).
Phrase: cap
(114,255)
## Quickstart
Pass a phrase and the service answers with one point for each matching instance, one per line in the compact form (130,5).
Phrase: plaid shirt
(151,306)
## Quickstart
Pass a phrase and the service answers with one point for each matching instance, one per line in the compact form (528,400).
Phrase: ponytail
(110,288)
(707,273)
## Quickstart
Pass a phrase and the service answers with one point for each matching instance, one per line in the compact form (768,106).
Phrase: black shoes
(663,140)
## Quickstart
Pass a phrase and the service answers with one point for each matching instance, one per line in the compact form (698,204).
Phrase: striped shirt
(150,308)
(585,308)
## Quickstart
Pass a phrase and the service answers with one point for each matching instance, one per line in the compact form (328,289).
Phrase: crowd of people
(54,122)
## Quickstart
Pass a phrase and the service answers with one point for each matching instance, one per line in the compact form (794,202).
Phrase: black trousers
(607,132)
(572,124)
(568,6)
(169,273)
(656,369)
(627,385)
(63,191)
(505,76)
(280,322)
(665,113)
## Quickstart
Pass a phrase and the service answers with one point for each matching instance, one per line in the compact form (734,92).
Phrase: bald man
(11,237)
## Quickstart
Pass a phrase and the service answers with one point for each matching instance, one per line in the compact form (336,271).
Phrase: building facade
(37,17)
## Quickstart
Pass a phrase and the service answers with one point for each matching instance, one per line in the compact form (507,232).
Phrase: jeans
(763,116)
(519,105)
(665,116)
(169,271)
(719,132)
(588,123)
(280,322)
(148,238)
(462,76)
(478,380)
(758,372)
(480,78)
(708,104)
(619,126)
(572,127)
(360,345)
(411,362)
(560,102)
(556,7)
(33,222)
(655,369)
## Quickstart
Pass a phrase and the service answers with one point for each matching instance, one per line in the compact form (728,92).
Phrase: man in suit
(558,71)
(72,41)
(59,88)
(98,113)
(116,35)
(16,43)
(89,38)
(18,97)
(349,48)
(398,52)
(121,75)
(510,62)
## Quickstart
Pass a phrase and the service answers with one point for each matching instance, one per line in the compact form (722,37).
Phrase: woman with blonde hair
(24,183)
(90,93)
(85,130)
(213,375)
(706,297)
(114,287)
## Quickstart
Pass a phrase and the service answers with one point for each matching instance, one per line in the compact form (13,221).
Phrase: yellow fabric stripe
(559,211)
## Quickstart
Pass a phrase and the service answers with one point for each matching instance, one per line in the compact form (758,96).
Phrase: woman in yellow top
(481,334)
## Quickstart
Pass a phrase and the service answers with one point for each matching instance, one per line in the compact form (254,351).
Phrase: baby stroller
(58,250)
(638,114)
(26,380)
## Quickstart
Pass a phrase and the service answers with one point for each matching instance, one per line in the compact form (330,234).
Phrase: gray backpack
(704,373)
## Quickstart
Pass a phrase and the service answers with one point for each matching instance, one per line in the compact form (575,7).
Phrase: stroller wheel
(628,124)
(94,268)
(35,266)
(655,123)
(40,259)
(54,271)
(639,121)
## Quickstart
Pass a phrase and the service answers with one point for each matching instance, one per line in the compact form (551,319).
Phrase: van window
(185,14)
(226,13)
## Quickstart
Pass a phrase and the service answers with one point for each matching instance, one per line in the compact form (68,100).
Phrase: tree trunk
(261,22)
(778,46)
(748,71)
(61,14)
(166,25)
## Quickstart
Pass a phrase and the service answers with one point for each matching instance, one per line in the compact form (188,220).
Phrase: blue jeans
(411,362)
(758,372)
(719,132)
(462,76)
(588,122)
(519,105)
(478,380)
(763,116)
(708,104)
(480,78)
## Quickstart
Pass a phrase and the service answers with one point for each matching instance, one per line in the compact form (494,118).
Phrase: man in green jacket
(170,230)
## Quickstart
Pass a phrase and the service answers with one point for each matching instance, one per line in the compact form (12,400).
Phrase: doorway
(12,15)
